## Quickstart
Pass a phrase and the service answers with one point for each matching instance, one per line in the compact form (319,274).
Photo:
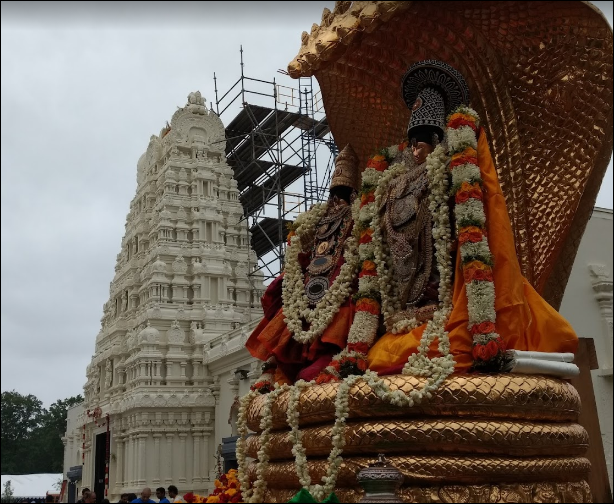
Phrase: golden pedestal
(480,438)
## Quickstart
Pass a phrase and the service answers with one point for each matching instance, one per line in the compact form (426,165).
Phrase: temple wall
(588,307)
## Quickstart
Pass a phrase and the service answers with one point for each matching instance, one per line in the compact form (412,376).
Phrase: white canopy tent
(33,485)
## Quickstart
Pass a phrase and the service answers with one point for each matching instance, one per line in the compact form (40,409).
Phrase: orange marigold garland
(488,348)
(353,359)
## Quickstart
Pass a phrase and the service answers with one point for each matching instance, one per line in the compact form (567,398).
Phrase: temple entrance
(99,466)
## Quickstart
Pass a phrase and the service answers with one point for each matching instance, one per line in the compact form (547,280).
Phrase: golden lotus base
(505,438)
(516,492)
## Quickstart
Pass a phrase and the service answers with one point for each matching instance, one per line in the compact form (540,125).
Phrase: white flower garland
(294,298)
(390,305)
(298,450)
(243,477)
(436,370)
(338,437)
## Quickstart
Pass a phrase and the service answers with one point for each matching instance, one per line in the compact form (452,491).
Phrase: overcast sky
(83,89)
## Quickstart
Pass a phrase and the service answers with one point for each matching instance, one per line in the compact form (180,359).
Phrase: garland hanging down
(376,297)
(295,302)
(476,258)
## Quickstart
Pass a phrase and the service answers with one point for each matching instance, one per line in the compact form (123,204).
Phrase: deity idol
(454,269)
(435,268)
(308,310)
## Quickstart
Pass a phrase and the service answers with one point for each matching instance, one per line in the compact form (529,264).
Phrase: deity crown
(347,169)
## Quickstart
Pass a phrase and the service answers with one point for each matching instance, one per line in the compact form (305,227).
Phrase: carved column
(119,469)
(142,460)
(135,460)
(182,465)
(169,458)
(205,455)
(197,477)
(157,456)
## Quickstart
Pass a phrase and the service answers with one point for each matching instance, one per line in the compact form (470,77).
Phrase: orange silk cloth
(525,320)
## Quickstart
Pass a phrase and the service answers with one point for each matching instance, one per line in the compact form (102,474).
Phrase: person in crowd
(161,495)
(145,496)
(90,498)
(83,492)
(173,494)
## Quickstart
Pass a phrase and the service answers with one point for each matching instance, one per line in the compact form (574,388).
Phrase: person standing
(173,494)
(145,496)
(161,495)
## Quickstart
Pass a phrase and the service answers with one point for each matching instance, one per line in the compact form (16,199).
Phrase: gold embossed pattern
(437,436)
(521,397)
(540,75)
(517,492)
(419,470)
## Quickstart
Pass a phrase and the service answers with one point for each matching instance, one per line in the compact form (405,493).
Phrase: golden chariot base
(480,438)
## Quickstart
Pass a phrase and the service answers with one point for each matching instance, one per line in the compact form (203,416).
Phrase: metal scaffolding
(274,147)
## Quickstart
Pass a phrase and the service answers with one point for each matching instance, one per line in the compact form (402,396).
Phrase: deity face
(421,150)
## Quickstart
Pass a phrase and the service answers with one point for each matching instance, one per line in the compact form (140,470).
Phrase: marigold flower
(460,115)
(361,347)
(492,349)
(458,120)
(475,274)
(468,156)
(479,352)
(483,328)
(326,377)
(378,162)
(473,236)
(468,191)
(365,199)
(368,305)
(369,265)
(403,145)
(366,236)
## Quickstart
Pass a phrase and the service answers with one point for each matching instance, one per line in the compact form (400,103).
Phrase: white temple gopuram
(162,376)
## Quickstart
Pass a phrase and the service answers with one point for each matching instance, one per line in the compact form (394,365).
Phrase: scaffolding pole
(272,145)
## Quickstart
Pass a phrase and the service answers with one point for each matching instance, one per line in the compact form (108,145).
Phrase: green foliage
(7,492)
(31,434)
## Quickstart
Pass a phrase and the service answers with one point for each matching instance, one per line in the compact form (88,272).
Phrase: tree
(7,493)
(21,417)
(53,427)
(31,435)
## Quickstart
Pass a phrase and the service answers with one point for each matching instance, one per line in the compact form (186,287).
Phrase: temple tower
(181,280)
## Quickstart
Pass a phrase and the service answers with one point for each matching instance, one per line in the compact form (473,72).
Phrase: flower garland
(476,258)
(295,302)
(375,296)
(418,364)
(256,493)
(371,279)
(241,441)
(293,415)
(335,459)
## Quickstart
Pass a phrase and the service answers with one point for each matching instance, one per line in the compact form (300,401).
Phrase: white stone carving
(176,335)
(179,266)
(156,372)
